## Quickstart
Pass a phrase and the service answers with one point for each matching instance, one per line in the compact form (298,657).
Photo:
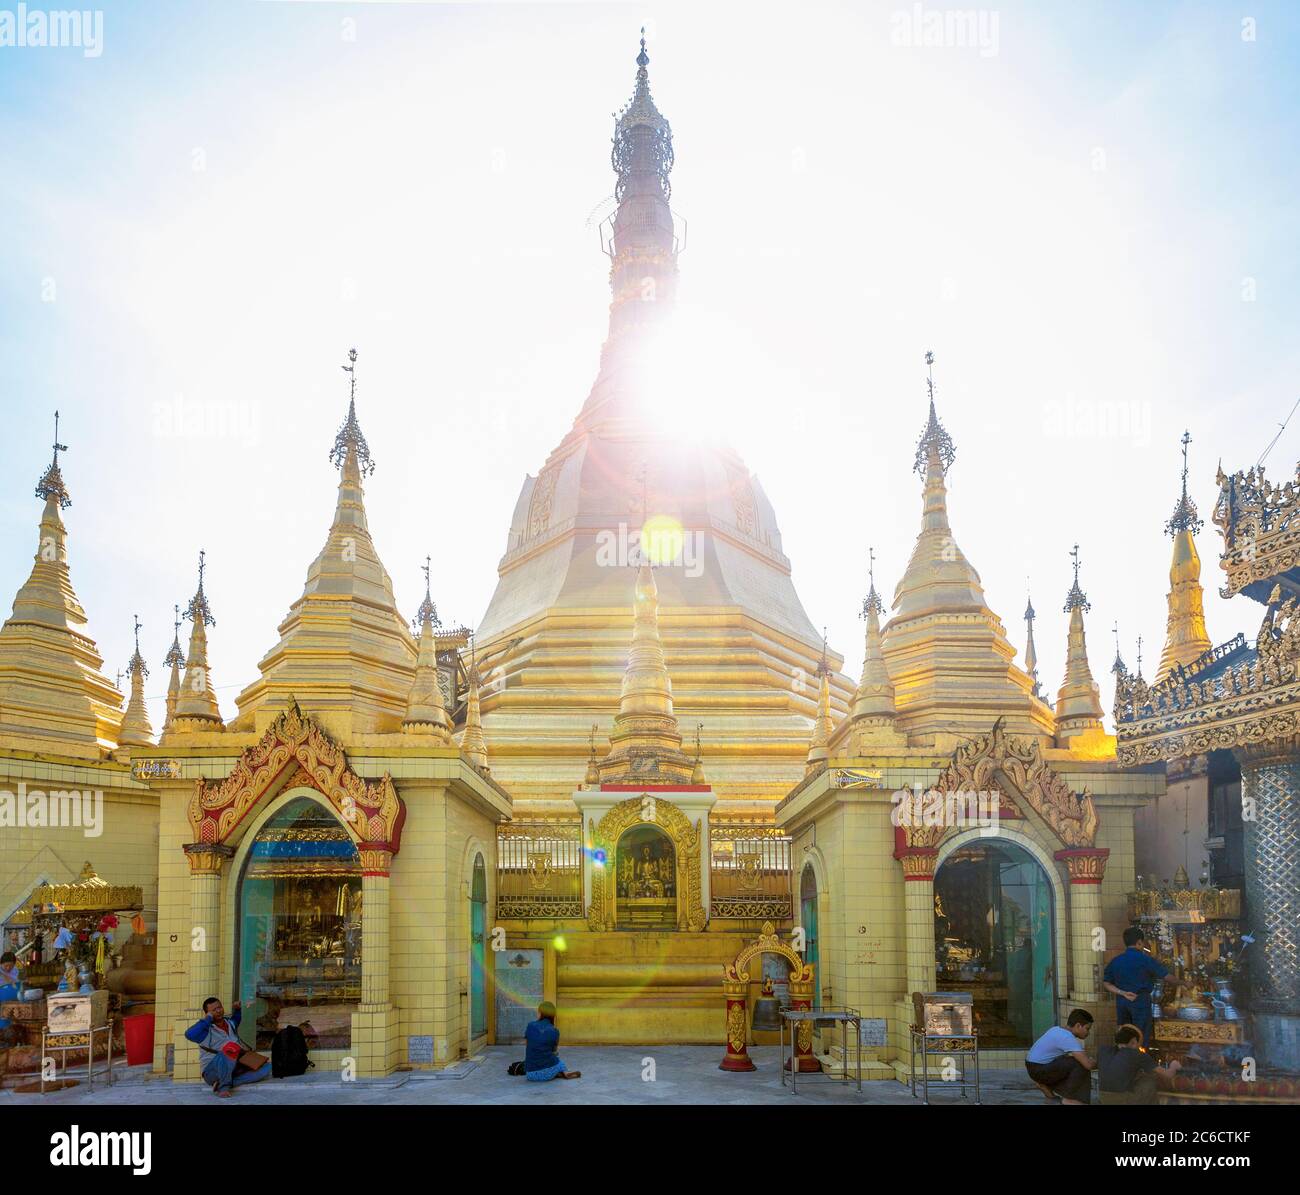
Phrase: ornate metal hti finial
(872,600)
(1185,517)
(174,654)
(427,609)
(1076,599)
(198,607)
(935,440)
(51,483)
(137,660)
(1139,672)
(349,435)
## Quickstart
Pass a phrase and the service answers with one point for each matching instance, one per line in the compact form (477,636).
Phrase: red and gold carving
(296,751)
(1085,865)
(735,987)
(375,861)
(917,861)
(737,1056)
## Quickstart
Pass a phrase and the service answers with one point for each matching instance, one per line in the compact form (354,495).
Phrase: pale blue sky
(231,194)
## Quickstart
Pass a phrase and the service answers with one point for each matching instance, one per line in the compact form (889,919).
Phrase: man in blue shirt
(540,1060)
(218,1038)
(1130,977)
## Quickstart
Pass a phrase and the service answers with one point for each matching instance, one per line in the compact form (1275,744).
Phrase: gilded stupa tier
(196,704)
(53,693)
(1186,638)
(946,651)
(553,643)
(344,652)
(645,745)
(1078,702)
(136,728)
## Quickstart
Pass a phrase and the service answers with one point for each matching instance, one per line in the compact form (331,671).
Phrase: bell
(767,1014)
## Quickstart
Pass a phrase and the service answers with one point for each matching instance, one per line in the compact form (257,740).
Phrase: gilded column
(1087,868)
(1270,791)
(206,863)
(918,915)
(376,864)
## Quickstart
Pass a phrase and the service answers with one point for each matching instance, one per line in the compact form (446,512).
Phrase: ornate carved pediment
(995,762)
(686,840)
(296,752)
(767,942)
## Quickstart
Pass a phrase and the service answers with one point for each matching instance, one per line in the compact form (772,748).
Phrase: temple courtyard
(610,1075)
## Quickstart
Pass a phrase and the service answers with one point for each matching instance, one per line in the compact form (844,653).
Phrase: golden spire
(472,742)
(874,713)
(1078,704)
(645,742)
(196,707)
(51,683)
(938,575)
(819,747)
(136,730)
(1186,638)
(1031,652)
(426,712)
(593,771)
(345,651)
(175,659)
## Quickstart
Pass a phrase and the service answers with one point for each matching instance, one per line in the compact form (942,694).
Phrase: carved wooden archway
(735,988)
(685,838)
(295,752)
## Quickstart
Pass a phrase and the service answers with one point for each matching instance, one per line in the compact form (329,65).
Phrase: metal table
(52,1042)
(948,1045)
(845,1016)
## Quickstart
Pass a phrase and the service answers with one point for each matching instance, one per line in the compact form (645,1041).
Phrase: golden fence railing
(539,869)
(749,871)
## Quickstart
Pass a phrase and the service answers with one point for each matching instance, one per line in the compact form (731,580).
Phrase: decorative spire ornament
(51,484)
(175,660)
(427,611)
(349,442)
(1119,668)
(136,730)
(1186,637)
(1031,652)
(196,706)
(819,746)
(472,742)
(935,446)
(426,711)
(1076,599)
(1078,703)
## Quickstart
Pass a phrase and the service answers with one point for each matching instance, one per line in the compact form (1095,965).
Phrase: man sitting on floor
(540,1060)
(218,1038)
(1127,1073)
(1057,1064)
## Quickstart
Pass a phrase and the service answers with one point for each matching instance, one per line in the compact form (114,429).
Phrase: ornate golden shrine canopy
(89,894)
(295,751)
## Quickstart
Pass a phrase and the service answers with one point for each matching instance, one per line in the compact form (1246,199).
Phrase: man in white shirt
(1057,1064)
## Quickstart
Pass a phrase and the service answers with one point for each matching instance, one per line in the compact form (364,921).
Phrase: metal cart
(845,1017)
(964,1046)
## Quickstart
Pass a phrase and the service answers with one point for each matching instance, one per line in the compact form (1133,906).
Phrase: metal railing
(750,872)
(539,869)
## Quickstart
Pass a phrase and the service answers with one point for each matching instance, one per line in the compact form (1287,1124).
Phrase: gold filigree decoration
(977,767)
(685,838)
(295,749)
(767,942)
(736,1027)
(753,910)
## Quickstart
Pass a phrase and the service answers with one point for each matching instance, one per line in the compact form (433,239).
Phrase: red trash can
(139,1038)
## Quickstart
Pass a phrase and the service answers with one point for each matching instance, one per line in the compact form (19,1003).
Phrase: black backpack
(289,1053)
(516,1068)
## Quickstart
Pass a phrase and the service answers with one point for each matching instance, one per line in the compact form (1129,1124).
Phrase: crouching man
(224,1055)
(1057,1064)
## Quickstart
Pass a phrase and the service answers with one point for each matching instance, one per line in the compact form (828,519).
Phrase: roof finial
(349,436)
(1139,672)
(823,666)
(1030,613)
(51,482)
(175,657)
(1118,667)
(935,441)
(643,59)
(1076,598)
(198,607)
(1185,517)
(872,601)
(427,611)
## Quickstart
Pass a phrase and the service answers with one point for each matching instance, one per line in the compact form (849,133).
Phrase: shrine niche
(646,879)
(296,752)
(651,877)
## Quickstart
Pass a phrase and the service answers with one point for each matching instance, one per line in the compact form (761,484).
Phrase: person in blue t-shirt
(540,1059)
(1057,1064)
(1130,977)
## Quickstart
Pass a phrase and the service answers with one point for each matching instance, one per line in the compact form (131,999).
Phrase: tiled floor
(611,1075)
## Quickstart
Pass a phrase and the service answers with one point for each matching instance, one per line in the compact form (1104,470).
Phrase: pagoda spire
(51,681)
(1078,703)
(196,707)
(175,660)
(472,741)
(136,730)
(645,742)
(938,576)
(426,711)
(1031,652)
(819,747)
(1186,638)
(873,715)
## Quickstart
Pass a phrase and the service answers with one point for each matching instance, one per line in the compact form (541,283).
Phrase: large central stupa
(742,654)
